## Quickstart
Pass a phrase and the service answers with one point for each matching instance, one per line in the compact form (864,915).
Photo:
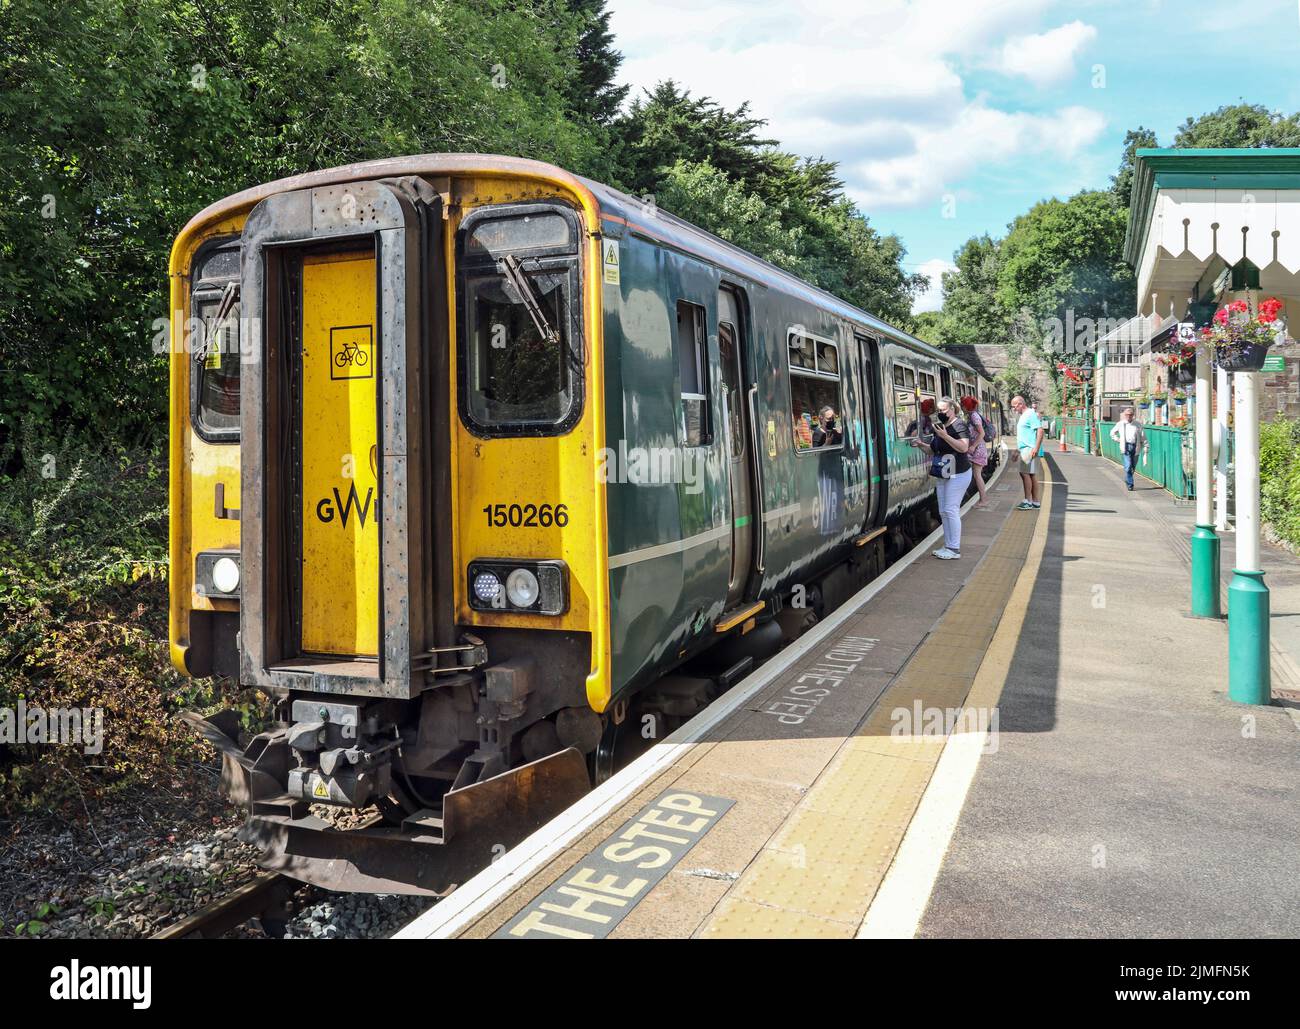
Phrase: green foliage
(1240,125)
(828,244)
(593,94)
(1061,262)
(1279,469)
(83,587)
(972,312)
(1121,183)
(118,121)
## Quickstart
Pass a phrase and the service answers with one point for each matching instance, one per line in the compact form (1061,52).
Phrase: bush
(1279,459)
(83,587)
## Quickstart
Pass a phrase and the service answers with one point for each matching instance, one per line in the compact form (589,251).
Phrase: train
(479,468)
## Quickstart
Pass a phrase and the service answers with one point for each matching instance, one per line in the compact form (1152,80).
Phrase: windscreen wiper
(229,297)
(512,268)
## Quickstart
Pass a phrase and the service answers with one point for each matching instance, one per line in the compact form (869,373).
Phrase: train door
(945,382)
(869,362)
(739,453)
(338,450)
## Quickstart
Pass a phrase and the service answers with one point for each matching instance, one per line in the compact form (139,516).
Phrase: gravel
(123,878)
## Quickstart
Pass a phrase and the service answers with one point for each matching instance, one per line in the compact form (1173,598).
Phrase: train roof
(666,226)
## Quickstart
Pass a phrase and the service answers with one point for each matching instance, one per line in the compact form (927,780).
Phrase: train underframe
(415,796)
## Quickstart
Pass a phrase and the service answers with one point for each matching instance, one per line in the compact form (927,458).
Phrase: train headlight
(217,573)
(487,589)
(522,589)
(529,587)
(225,575)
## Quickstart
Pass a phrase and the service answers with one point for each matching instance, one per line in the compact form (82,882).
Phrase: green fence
(1164,461)
(1076,432)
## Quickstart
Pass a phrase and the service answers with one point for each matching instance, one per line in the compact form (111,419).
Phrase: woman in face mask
(950,465)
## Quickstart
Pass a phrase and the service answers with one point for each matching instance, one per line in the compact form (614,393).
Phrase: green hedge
(1279,456)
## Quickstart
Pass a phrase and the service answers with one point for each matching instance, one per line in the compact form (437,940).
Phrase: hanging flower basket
(1240,337)
(1249,357)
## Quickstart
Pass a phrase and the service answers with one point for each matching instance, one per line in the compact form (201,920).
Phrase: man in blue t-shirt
(1030,431)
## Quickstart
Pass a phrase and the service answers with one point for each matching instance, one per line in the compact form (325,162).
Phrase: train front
(385,511)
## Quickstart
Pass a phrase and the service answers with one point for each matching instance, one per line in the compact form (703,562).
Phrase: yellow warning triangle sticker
(610,250)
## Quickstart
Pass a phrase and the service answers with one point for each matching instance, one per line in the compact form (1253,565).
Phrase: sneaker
(944,554)
(1024,505)
(1036,505)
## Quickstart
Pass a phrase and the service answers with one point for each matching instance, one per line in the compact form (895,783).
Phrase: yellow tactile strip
(818,874)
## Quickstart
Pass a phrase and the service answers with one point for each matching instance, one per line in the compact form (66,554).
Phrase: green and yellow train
(475,462)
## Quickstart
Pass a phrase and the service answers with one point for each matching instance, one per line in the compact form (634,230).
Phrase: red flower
(1239,307)
(1268,309)
(1221,316)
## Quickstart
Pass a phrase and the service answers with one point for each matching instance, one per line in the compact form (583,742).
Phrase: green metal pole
(1249,675)
(1205,544)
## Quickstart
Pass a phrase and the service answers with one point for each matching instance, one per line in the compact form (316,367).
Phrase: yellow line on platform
(820,871)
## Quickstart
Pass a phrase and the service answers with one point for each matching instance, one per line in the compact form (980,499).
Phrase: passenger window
(693,363)
(905,408)
(815,393)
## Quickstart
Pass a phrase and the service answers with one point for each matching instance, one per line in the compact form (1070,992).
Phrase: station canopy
(1201,217)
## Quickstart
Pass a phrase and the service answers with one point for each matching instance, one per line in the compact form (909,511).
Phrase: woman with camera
(948,447)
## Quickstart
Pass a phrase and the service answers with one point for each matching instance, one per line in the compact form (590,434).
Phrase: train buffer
(1034,741)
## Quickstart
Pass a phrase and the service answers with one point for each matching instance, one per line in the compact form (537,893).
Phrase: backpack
(990,434)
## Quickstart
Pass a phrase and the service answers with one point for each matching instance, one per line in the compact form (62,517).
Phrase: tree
(972,312)
(594,94)
(1240,125)
(830,245)
(1061,263)
(1121,183)
(668,125)
(119,119)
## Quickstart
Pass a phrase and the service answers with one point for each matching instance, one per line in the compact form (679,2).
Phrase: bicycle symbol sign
(352,352)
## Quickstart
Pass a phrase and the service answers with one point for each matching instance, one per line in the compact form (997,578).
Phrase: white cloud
(878,87)
(932,298)
(1046,58)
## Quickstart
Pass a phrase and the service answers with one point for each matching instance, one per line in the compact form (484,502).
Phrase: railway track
(265,898)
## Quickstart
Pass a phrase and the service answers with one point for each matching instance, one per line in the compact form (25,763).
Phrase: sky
(948,118)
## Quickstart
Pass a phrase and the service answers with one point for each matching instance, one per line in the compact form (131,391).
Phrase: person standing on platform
(982,436)
(1132,440)
(1030,431)
(950,465)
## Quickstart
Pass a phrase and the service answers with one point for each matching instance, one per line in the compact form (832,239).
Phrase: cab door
(339,451)
(737,440)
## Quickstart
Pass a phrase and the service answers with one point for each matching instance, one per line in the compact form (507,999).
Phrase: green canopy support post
(1249,676)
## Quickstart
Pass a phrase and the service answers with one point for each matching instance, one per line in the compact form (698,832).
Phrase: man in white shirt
(1132,442)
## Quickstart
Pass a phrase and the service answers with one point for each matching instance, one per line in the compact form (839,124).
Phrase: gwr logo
(343,509)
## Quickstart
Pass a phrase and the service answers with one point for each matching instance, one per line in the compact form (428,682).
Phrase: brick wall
(1280,391)
(991,358)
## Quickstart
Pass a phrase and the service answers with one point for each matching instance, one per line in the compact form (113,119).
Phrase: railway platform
(1033,741)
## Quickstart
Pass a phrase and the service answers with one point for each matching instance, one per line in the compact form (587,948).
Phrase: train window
(693,363)
(733,398)
(905,404)
(926,384)
(803,352)
(814,387)
(215,344)
(519,329)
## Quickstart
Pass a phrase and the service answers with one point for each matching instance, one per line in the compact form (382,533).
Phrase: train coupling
(428,854)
